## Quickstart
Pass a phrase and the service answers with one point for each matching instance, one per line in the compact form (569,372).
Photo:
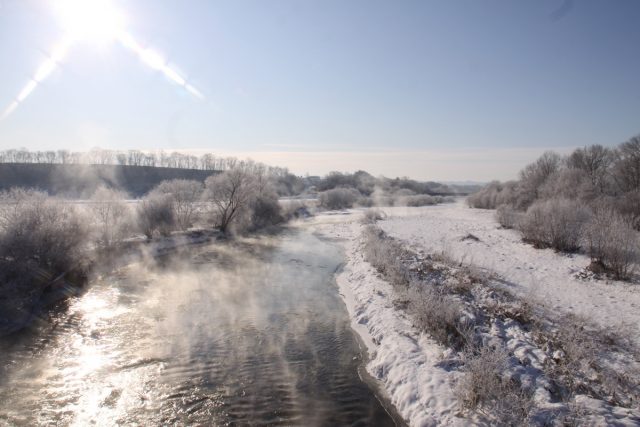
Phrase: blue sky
(449,90)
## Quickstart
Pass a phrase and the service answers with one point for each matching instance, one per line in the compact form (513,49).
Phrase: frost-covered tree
(111,215)
(184,196)
(627,165)
(595,161)
(230,195)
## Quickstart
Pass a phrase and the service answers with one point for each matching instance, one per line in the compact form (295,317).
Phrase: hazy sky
(450,90)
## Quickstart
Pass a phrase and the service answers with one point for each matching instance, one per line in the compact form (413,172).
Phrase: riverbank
(420,376)
(19,307)
(405,362)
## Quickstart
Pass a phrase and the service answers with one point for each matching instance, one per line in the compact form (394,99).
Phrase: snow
(407,364)
(556,280)
(412,369)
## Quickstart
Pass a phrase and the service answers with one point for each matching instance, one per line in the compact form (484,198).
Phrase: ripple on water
(230,334)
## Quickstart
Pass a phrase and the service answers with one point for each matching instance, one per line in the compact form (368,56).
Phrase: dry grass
(385,255)
(584,361)
(454,303)
(432,309)
(372,215)
(485,387)
(439,315)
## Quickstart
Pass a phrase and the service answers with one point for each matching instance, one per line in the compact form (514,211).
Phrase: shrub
(39,234)
(439,315)
(508,217)
(386,255)
(361,181)
(111,216)
(265,211)
(294,209)
(419,200)
(434,312)
(495,194)
(486,386)
(184,196)
(556,223)
(371,216)
(568,184)
(611,242)
(339,198)
(587,359)
(156,215)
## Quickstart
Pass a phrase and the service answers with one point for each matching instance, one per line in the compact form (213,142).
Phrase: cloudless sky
(450,90)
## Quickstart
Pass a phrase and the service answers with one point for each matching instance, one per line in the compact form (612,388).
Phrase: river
(251,332)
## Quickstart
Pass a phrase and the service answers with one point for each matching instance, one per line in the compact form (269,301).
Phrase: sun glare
(90,20)
(95,22)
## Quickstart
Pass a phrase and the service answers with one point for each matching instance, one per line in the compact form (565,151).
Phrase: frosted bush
(556,223)
(339,198)
(40,234)
(611,242)
(184,196)
(508,217)
(111,217)
(156,215)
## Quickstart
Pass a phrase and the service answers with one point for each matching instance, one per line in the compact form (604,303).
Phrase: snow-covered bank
(408,364)
(560,281)
(419,375)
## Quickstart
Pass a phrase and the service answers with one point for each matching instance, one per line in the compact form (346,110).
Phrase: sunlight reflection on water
(237,333)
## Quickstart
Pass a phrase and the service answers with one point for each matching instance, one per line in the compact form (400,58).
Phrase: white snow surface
(551,278)
(410,366)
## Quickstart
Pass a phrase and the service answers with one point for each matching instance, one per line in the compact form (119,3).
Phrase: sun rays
(95,22)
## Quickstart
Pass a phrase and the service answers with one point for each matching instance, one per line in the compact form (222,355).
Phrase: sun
(89,20)
(95,22)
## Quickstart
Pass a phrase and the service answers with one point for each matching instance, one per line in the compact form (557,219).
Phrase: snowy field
(558,281)
(412,369)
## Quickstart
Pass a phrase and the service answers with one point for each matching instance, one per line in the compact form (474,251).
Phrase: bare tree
(135,157)
(533,176)
(627,166)
(62,156)
(595,161)
(111,215)
(230,195)
(184,196)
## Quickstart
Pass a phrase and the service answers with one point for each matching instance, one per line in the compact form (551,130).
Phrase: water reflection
(251,332)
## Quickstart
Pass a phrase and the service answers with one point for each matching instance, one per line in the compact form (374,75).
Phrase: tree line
(99,156)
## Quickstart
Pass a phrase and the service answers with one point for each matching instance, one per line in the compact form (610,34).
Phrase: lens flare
(95,21)
(48,66)
(156,61)
(89,20)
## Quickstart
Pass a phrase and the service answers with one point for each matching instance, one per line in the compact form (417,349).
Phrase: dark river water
(245,333)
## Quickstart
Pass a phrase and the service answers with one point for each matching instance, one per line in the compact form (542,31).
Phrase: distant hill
(80,181)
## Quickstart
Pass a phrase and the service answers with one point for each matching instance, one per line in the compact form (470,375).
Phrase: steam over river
(252,332)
